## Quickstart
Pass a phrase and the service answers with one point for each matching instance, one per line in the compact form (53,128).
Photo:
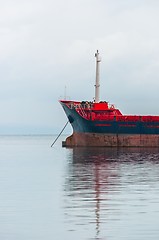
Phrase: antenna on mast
(65,93)
(97,84)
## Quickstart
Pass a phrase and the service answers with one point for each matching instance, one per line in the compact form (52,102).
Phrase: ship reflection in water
(112,193)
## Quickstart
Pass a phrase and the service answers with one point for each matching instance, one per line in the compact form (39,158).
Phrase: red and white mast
(97,84)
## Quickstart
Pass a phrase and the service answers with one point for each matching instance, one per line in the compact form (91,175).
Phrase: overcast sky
(47,45)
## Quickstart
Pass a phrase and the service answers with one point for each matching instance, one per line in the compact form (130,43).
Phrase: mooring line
(60,134)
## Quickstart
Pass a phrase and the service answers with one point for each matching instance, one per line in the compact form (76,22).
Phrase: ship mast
(97,85)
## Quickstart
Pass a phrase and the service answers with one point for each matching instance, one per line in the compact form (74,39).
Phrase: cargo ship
(100,124)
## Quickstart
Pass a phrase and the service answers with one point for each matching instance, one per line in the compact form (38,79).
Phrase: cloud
(47,45)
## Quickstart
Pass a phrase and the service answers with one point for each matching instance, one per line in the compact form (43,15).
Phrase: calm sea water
(81,193)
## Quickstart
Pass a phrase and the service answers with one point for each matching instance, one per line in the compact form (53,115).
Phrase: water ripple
(113,192)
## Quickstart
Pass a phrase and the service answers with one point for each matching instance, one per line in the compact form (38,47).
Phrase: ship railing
(101,117)
(79,108)
(70,105)
(79,105)
(129,118)
(150,118)
(124,118)
(82,112)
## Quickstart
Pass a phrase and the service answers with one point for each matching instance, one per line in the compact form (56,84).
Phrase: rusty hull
(111,140)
